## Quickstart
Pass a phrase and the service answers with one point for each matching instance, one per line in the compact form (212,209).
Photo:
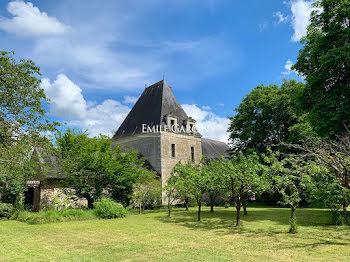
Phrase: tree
(179,179)
(171,191)
(23,122)
(147,190)
(215,181)
(334,155)
(292,176)
(193,177)
(244,176)
(324,61)
(93,168)
(269,115)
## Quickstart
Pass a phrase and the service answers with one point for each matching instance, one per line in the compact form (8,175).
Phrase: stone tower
(160,130)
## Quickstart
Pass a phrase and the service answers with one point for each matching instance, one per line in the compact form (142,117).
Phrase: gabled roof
(154,104)
(213,149)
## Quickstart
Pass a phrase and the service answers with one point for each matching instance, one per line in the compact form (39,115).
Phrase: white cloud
(288,67)
(68,103)
(27,20)
(208,123)
(65,97)
(281,18)
(130,99)
(301,11)
(104,118)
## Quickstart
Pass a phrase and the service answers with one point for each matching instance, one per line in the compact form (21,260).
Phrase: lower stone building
(48,186)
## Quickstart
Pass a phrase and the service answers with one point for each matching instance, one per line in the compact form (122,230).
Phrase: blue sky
(97,56)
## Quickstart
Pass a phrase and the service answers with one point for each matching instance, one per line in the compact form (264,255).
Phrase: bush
(6,210)
(107,208)
(54,215)
(338,218)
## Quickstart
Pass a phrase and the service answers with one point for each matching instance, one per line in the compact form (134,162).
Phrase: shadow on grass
(265,221)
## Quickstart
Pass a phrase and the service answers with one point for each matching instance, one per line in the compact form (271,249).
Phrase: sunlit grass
(155,237)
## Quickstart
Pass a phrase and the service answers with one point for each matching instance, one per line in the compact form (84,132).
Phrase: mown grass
(155,237)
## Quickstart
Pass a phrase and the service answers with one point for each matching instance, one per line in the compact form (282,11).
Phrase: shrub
(6,210)
(54,215)
(107,208)
(338,218)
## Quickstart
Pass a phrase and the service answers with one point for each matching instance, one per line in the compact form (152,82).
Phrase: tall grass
(54,215)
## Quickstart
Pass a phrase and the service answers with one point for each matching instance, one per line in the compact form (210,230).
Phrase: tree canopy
(269,115)
(324,61)
(23,122)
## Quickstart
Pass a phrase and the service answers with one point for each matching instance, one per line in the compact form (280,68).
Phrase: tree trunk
(345,205)
(238,215)
(244,204)
(293,221)
(199,209)
(245,210)
(140,208)
(169,208)
(212,200)
(90,203)
(186,204)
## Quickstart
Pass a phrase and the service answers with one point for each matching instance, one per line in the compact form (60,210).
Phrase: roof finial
(163,76)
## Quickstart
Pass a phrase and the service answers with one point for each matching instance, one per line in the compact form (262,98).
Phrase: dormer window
(171,122)
(191,125)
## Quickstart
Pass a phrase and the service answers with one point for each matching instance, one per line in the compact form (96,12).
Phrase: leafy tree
(244,176)
(292,176)
(171,191)
(194,178)
(334,155)
(269,115)
(179,179)
(22,124)
(324,61)
(93,168)
(147,190)
(215,181)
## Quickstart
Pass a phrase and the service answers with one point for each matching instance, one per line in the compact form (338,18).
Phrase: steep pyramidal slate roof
(213,149)
(151,108)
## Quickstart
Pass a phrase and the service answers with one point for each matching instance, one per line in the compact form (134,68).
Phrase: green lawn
(155,237)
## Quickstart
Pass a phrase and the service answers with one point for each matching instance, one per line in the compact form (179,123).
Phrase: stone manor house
(158,128)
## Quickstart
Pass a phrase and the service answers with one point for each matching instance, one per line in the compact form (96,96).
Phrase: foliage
(147,191)
(107,208)
(178,187)
(269,115)
(324,61)
(94,168)
(22,124)
(244,176)
(292,176)
(214,180)
(334,156)
(190,177)
(6,210)
(54,215)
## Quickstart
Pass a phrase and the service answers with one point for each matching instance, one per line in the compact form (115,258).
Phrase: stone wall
(183,144)
(52,192)
(156,148)
(147,144)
